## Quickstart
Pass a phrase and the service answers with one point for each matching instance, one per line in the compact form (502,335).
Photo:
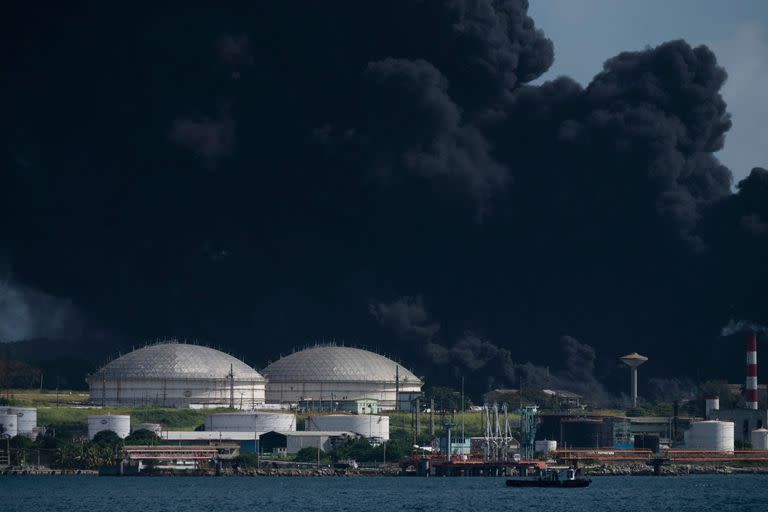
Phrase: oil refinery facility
(333,377)
(173,374)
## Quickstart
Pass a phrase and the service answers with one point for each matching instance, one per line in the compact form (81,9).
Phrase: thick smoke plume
(27,314)
(474,355)
(406,317)
(361,151)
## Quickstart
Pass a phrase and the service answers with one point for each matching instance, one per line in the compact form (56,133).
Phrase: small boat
(550,478)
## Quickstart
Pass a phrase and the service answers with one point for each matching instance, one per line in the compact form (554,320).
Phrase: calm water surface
(72,493)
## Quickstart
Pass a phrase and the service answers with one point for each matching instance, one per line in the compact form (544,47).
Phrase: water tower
(633,360)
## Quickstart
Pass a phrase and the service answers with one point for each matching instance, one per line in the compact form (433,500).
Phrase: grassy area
(45,398)
(171,419)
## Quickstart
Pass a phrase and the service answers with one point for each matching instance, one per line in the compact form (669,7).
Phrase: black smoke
(335,152)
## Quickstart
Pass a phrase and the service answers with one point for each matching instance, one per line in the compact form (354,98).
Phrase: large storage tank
(582,433)
(9,422)
(251,422)
(545,446)
(117,423)
(175,374)
(327,377)
(367,425)
(710,435)
(759,438)
(26,419)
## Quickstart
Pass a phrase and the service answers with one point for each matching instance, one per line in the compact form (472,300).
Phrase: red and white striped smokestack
(751,387)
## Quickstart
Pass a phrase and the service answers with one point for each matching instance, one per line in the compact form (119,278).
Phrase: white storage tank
(367,425)
(711,403)
(152,427)
(10,424)
(710,436)
(117,423)
(545,446)
(251,422)
(759,438)
(26,419)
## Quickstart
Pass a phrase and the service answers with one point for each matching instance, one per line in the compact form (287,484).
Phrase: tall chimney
(750,390)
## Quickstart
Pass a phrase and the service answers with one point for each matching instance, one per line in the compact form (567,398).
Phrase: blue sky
(587,32)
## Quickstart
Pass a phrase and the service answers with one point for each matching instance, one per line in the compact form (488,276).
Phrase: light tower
(633,360)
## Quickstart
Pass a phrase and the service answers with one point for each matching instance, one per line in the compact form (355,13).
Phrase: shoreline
(588,471)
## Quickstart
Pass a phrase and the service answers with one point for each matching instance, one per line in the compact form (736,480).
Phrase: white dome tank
(27,419)
(10,424)
(367,425)
(250,422)
(759,438)
(710,436)
(152,427)
(545,446)
(117,423)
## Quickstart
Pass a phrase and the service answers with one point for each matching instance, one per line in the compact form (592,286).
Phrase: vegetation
(142,437)
(310,454)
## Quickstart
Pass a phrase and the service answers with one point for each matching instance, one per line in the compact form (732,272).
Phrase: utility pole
(432,417)
(231,387)
(397,387)
(462,408)
(418,421)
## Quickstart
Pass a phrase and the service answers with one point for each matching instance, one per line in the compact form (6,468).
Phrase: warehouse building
(172,374)
(279,443)
(336,378)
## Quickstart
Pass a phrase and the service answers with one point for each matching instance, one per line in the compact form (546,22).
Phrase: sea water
(376,494)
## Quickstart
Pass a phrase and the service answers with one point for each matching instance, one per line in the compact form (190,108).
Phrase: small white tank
(10,424)
(251,422)
(711,403)
(759,438)
(371,426)
(27,419)
(545,446)
(152,427)
(710,436)
(117,423)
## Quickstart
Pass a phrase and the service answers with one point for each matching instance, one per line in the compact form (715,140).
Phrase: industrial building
(278,443)
(335,378)
(372,427)
(172,374)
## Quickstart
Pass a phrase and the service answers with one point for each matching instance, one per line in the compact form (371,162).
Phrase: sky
(450,182)
(586,32)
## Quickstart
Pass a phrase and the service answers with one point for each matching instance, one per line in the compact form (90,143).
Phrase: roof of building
(560,393)
(173,360)
(178,435)
(335,363)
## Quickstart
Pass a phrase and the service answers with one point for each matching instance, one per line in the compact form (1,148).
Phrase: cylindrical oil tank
(647,442)
(545,446)
(152,427)
(710,436)
(711,403)
(582,433)
(251,422)
(367,425)
(27,419)
(10,424)
(759,438)
(117,423)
